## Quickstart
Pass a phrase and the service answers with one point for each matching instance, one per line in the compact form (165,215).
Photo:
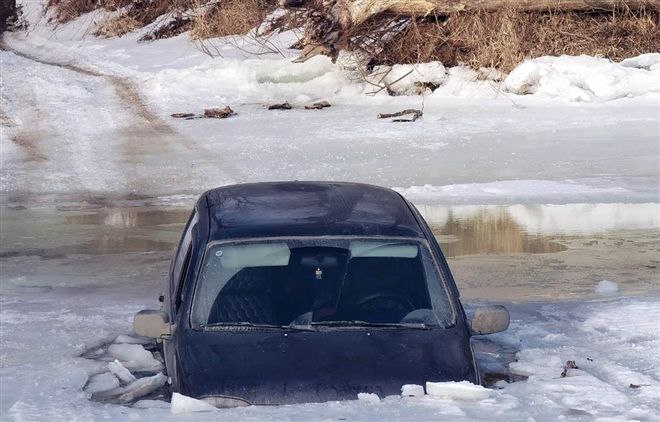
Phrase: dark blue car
(295,292)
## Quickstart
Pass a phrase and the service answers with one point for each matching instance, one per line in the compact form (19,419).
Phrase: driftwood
(283,106)
(317,106)
(209,113)
(329,22)
(219,113)
(354,12)
(414,115)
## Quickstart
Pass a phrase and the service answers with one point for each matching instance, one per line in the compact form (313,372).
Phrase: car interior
(325,284)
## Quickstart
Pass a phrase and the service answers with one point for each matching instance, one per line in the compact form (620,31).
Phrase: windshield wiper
(416,326)
(248,325)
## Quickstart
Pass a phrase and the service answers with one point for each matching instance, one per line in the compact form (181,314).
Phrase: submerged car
(296,292)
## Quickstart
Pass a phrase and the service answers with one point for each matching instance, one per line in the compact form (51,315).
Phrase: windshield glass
(320,281)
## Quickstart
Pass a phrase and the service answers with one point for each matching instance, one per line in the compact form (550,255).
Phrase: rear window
(326,280)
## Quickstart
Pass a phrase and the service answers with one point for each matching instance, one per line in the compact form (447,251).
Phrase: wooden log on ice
(354,12)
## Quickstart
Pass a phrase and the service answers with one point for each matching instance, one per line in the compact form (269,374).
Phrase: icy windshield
(320,281)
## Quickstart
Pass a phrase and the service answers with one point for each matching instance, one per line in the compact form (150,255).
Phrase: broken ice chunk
(184,404)
(463,390)
(121,372)
(133,391)
(135,357)
(141,387)
(128,339)
(101,382)
(606,287)
(369,397)
(412,390)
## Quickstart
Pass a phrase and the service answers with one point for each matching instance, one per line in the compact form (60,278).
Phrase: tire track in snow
(153,155)
(146,134)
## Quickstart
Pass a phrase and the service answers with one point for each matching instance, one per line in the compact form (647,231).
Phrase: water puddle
(489,233)
(131,217)
(461,230)
(533,229)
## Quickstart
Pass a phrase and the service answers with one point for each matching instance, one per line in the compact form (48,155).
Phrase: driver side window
(181,261)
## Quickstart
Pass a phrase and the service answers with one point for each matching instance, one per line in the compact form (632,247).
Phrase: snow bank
(184,404)
(606,287)
(463,390)
(231,81)
(584,78)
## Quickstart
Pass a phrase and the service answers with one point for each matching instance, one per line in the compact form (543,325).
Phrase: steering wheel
(404,302)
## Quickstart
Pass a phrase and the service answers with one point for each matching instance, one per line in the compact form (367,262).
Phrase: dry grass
(228,17)
(204,18)
(136,14)
(497,39)
(503,39)
(66,10)
(116,26)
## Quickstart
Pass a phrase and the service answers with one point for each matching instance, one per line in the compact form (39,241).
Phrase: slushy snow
(463,390)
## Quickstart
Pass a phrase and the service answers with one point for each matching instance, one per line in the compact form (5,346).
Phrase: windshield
(320,281)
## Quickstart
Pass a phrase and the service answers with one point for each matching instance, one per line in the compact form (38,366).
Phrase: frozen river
(72,278)
(97,180)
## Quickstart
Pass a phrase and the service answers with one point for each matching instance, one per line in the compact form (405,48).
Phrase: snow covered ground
(587,131)
(87,122)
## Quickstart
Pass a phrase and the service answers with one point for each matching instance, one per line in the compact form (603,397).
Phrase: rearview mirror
(152,324)
(489,320)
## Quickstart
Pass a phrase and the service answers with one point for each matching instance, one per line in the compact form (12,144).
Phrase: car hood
(280,367)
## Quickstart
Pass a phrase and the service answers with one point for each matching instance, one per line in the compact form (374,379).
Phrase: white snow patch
(606,287)
(463,390)
(412,390)
(184,404)
(368,398)
(582,78)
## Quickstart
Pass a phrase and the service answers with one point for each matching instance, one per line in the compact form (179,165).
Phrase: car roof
(276,209)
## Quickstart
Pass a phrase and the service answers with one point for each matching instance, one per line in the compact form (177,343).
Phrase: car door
(177,275)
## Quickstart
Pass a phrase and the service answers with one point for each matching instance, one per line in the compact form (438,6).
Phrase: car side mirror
(152,324)
(489,320)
